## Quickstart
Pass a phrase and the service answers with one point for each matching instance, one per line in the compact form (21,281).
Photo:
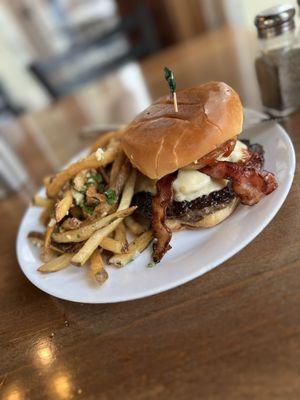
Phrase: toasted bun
(208,221)
(159,140)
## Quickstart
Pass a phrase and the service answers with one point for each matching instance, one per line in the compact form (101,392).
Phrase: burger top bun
(159,140)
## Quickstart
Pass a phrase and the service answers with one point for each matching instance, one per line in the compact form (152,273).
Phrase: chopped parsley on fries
(87,213)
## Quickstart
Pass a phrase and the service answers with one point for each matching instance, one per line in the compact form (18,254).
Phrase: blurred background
(50,48)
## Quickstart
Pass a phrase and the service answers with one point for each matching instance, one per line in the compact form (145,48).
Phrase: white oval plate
(193,252)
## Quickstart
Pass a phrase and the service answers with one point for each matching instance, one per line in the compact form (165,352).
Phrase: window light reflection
(14,392)
(44,352)
(62,385)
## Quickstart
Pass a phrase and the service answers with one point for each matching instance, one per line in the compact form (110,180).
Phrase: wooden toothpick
(172,85)
(175,101)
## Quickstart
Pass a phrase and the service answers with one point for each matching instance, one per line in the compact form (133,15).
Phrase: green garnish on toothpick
(172,85)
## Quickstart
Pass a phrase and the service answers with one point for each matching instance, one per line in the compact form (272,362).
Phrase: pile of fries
(87,213)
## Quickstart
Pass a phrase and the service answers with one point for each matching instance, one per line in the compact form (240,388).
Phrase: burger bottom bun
(208,221)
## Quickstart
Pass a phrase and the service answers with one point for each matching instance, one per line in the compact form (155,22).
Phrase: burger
(193,170)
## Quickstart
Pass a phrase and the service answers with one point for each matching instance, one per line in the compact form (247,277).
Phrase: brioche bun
(160,141)
(208,221)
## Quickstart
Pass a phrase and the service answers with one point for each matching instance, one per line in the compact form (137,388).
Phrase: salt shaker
(278,62)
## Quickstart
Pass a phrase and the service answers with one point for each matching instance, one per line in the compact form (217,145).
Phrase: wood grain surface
(233,333)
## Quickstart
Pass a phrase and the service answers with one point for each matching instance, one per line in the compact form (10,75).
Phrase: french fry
(57,263)
(116,166)
(70,224)
(121,178)
(86,237)
(112,245)
(120,235)
(46,214)
(128,191)
(40,201)
(92,161)
(84,232)
(104,174)
(95,240)
(38,239)
(135,248)
(97,267)
(79,180)
(134,226)
(104,139)
(63,206)
(47,240)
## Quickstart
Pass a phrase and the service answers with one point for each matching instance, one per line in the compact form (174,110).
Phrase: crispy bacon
(160,202)
(224,150)
(249,183)
(256,160)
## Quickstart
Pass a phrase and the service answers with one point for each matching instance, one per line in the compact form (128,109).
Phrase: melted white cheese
(237,154)
(191,184)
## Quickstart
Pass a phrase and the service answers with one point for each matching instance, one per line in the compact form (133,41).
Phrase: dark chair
(59,74)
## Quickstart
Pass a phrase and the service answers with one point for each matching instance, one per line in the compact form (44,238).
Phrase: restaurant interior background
(49,48)
(99,50)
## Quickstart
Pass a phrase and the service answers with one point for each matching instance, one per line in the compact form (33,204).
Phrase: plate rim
(168,286)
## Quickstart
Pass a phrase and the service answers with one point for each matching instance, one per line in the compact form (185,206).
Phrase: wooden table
(231,334)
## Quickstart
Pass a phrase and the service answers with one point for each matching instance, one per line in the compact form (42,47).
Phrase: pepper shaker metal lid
(275,20)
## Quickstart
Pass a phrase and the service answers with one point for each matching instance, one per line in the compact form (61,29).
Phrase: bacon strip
(249,184)
(256,160)
(224,150)
(160,203)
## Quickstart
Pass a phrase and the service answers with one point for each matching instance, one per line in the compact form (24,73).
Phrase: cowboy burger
(193,170)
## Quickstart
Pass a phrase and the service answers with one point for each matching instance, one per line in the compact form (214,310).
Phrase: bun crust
(159,140)
(208,221)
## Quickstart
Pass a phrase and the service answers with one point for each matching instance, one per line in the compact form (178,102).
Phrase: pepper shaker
(278,62)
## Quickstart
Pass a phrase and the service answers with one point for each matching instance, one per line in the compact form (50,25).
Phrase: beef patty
(189,211)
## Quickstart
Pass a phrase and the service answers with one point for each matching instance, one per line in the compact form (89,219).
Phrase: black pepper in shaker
(278,62)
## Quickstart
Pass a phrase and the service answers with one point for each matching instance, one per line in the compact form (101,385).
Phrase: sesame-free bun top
(159,140)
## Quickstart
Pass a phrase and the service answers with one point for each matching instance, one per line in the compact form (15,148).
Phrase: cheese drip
(191,184)
(237,154)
